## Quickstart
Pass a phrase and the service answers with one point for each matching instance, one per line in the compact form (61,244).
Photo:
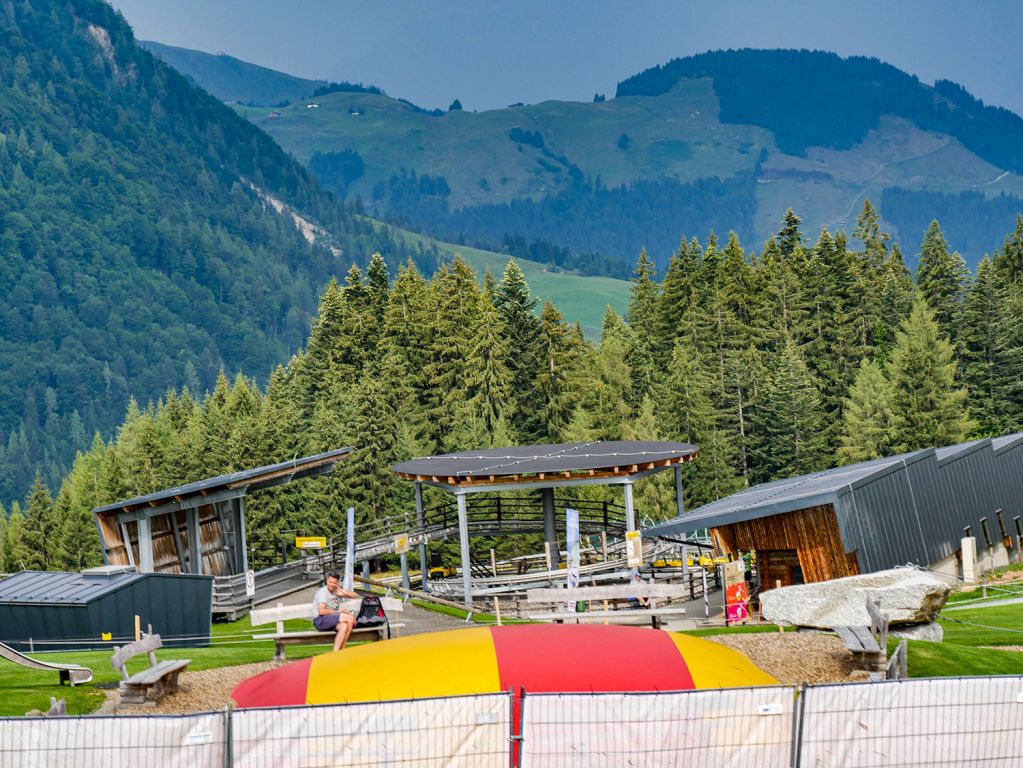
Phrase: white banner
(940,723)
(572,539)
(721,728)
(190,741)
(634,549)
(349,582)
(462,732)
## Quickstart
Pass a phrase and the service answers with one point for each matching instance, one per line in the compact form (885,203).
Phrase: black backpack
(371,614)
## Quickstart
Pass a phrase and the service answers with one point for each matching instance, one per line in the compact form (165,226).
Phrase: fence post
(228,737)
(797,727)
(516,737)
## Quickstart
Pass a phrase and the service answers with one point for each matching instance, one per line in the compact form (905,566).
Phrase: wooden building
(911,508)
(157,533)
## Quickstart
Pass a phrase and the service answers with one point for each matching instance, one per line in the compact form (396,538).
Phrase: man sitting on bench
(328,613)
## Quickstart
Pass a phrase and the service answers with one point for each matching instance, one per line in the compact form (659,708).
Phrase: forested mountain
(775,362)
(140,239)
(726,140)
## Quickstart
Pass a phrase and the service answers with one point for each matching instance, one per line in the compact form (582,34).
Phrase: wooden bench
(156,680)
(280,613)
(868,651)
(566,599)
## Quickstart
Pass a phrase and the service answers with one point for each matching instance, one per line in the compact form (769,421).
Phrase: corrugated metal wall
(916,511)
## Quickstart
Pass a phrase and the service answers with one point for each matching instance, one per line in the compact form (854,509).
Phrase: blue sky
(490,54)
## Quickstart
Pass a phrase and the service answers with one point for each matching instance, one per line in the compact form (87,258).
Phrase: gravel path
(795,657)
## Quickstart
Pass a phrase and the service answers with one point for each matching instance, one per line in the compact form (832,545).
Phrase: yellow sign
(105,636)
(634,548)
(311,542)
(401,544)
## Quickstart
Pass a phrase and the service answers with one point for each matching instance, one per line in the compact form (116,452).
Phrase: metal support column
(463,539)
(365,569)
(424,565)
(550,532)
(680,508)
(145,529)
(630,515)
(404,571)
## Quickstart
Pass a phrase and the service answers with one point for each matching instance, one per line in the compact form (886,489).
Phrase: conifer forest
(813,351)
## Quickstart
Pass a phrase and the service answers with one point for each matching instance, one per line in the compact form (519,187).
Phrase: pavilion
(541,468)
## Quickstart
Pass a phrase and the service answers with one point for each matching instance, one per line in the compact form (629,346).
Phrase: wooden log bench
(159,678)
(282,638)
(566,600)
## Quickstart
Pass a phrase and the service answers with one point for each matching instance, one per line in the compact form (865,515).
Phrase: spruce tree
(941,279)
(556,382)
(867,425)
(790,239)
(487,376)
(1009,260)
(16,553)
(787,424)
(643,299)
(929,406)
(677,297)
(40,528)
(520,331)
(981,320)
(1007,375)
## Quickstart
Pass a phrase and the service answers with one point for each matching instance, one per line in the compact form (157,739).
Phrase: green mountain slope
(232,79)
(579,298)
(684,149)
(147,235)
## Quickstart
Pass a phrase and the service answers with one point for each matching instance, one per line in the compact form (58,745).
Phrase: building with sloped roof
(915,508)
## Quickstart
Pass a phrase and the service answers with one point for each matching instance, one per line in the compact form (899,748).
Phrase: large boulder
(907,596)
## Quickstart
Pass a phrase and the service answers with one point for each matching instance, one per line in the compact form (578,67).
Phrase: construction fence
(942,722)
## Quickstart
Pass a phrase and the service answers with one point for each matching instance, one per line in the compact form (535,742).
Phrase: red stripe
(276,688)
(575,658)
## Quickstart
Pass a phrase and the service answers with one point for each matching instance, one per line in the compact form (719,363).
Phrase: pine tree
(555,385)
(896,291)
(981,319)
(790,239)
(17,556)
(520,330)
(3,536)
(867,425)
(40,528)
(929,407)
(1009,260)
(488,379)
(941,279)
(1008,368)
(643,299)
(787,425)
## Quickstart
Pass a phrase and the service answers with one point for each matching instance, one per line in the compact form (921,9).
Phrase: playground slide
(71,673)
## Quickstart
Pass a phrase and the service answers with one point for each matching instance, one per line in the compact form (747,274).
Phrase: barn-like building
(912,508)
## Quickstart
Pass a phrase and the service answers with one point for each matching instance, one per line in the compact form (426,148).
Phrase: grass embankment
(23,689)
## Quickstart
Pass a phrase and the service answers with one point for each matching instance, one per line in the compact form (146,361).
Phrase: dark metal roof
(245,480)
(804,491)
(620,456)
(53,588)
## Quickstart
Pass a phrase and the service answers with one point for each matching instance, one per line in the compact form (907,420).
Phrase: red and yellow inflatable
(536,657)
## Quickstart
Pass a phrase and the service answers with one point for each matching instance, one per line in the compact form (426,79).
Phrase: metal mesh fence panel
(939,722)
(732,727)
(165,741)
(469,731)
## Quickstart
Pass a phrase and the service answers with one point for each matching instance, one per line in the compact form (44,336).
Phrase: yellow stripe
(435,664)
(713,665)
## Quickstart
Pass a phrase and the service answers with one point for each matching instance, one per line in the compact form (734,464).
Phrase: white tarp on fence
(469,731)
(735,727)
(190,741)
(939,722)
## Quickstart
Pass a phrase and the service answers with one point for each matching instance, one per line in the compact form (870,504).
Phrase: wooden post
(138,627)
(547,554)
(497,607)
(603,543)
(493,562)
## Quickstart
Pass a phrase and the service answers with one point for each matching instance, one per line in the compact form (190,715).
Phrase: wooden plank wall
(165,552)
(812,532)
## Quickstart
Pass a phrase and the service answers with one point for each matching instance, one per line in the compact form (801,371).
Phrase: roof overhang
(546,466)
(225,487)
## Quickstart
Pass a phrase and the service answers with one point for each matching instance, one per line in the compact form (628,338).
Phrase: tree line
(775,363)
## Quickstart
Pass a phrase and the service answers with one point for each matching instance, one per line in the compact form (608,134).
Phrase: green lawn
(962,652)
(24,689)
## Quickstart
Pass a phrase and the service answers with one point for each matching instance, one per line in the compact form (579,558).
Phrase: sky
(491,54)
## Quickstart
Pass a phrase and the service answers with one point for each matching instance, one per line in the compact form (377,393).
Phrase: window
(1001,529)
(986,532)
